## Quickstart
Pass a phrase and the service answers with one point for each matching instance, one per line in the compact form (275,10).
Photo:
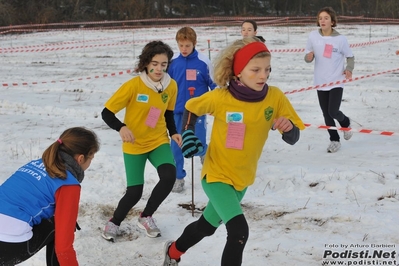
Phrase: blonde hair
(223,65)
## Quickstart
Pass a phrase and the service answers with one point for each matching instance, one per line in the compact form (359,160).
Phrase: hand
(282,124)
(348,74)
(126,135)
(191,144)
(309,56)
(397,52)
(177,138)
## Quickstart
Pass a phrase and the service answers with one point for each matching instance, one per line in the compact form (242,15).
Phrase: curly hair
(150,50)
(223,65)
(330,12)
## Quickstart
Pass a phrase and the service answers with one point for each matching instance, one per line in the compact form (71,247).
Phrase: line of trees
(16,12)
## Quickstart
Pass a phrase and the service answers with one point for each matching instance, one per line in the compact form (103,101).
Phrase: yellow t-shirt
(236,166)
(144,114)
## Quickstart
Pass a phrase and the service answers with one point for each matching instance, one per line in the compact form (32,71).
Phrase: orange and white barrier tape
(14,84)
(362,130)
(49,49)
(342,81)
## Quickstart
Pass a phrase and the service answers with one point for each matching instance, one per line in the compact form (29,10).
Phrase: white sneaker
(178,186)
(334,146)
(148,224)
(168,261)
(348,135)
(110,231)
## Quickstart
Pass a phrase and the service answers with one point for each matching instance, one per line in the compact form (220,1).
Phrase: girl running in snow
(245,109)
(149,100)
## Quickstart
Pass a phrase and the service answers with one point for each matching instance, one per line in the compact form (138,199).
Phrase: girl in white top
(329,49)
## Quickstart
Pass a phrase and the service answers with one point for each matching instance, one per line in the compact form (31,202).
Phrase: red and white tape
(338,82)
(50,49)
(69,80)
(362,130)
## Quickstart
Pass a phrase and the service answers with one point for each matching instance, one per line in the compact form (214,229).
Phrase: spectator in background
(190,69)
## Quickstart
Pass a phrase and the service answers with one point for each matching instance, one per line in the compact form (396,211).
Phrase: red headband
(242,56)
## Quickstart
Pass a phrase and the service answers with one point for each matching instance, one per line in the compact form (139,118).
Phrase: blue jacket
(195,70)
(29,194)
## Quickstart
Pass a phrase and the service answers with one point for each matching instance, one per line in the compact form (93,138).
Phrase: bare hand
(126,135)
(282,124)
(309,56)
(177,138)
(348,74)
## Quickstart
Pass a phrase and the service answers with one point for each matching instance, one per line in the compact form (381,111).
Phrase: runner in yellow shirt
(149,100)
(245,109)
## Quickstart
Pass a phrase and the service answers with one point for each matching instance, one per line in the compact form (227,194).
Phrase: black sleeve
(189,120)
(292,136)
(111,120)
(170,122)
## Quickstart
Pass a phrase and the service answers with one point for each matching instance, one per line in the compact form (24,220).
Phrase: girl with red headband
(245,109)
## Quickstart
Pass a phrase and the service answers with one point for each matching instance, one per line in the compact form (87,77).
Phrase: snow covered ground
(306,204)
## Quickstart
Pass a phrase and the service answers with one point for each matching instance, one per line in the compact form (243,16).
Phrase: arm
(170,122)
(209,71)
(171,126)
(190,142)
(350,63)
(66,213)
(349,67)
(111,120)
(189,120)
(291,137)
(289,131)
(309,57)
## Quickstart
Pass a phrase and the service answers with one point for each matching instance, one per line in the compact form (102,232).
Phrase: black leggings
(330,102)
(167,177)
(43,236)
(237,236)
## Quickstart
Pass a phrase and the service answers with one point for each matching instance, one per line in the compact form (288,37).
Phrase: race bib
(235,135)
(152,117)
(191,74)
(328,50)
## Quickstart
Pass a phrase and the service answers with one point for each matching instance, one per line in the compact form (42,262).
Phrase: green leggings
(223,206)
(224,202)
(135,163)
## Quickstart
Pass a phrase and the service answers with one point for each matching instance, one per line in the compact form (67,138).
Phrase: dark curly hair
(150,50)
